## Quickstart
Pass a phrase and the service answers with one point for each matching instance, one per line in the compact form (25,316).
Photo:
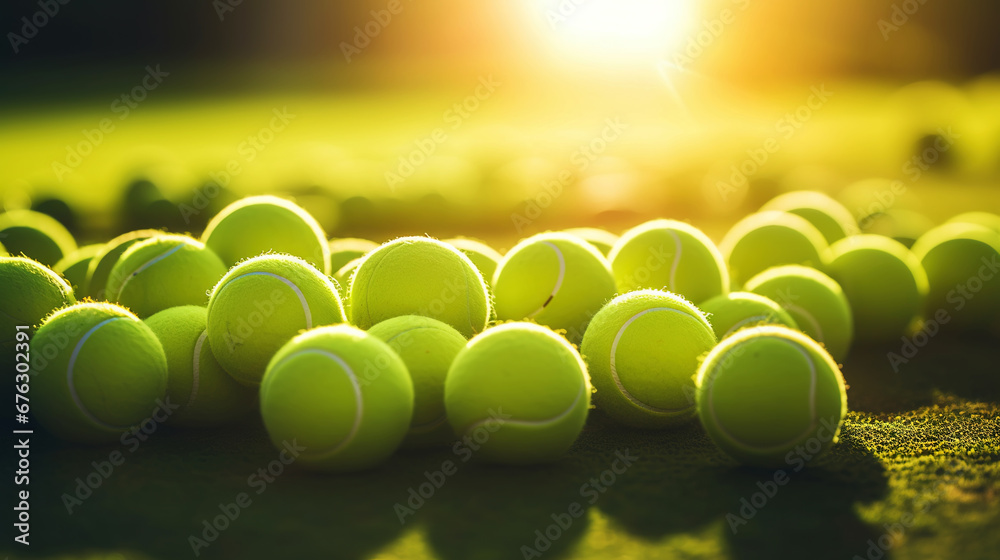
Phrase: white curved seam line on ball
(429,426)
(196,368)
(678,249)
(146,265)
(559,279)
(355,385)
(748,321)
(70,380)
(614,365)
(812,403)
(812,321)
(543,422)
(290,284)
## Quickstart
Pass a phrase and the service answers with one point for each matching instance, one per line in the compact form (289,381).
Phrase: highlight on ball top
(567,279)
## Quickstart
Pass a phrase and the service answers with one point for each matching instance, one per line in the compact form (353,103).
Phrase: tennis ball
(419,276)
(73,267)
(35,235)
(669,255)
(767,239)
(517,394)
(830,217)
(962,262)
(428,347)
(884,283)
(30,293)
(816,302)
(3,251)
(555,280)
(485,258)
(736,311)
(259,305)
(347,249)
(164,271)
(342,280)
(602,240)
(766,392)
(100,267)
(905,226)
(267,224)
(985,219)
(96,370)
(340,393)
(207,395)
(643,350)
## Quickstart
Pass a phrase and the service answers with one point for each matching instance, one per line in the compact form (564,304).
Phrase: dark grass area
(923,442)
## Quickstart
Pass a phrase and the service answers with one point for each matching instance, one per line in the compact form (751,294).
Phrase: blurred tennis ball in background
(771,397)
(101,265)
(816,302)
(669,255)
(904,226)
(97,371)
(768,239)
(196,382)
(164,271)
(736,311)
(830,217)
(428,347)
(74,267)
(985,219)
(485,258)
(343,395)
(642,350)
(260,304)
(517,394)
(35,235)
(267,224)
(602,240)
(962,262)
(30,293)
(347,249)
(554,279)
(884,283)
(419,276)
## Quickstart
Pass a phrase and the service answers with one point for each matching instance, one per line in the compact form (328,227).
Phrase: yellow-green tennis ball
(419,276)
(347,249)
(905,226)
(30,293)
(643,350)
(162,272)
(35,235)
(206,394)
(73,267)
(485,258)
(428,347)
(260,304)
(768,239)
(985,219)
(267,224)
(343,279)
(97,370)
(962,262)
(669,255)
(517,394)
(771,397)
(602,240)
(3,250)
(884,283)
(816,302)
(830,217)
(736,311)
(340,393)
(554,279)
(100,267)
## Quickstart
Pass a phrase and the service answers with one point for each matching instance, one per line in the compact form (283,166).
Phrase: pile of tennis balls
(354,349)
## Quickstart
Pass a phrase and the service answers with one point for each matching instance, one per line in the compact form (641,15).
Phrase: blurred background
(498,118)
